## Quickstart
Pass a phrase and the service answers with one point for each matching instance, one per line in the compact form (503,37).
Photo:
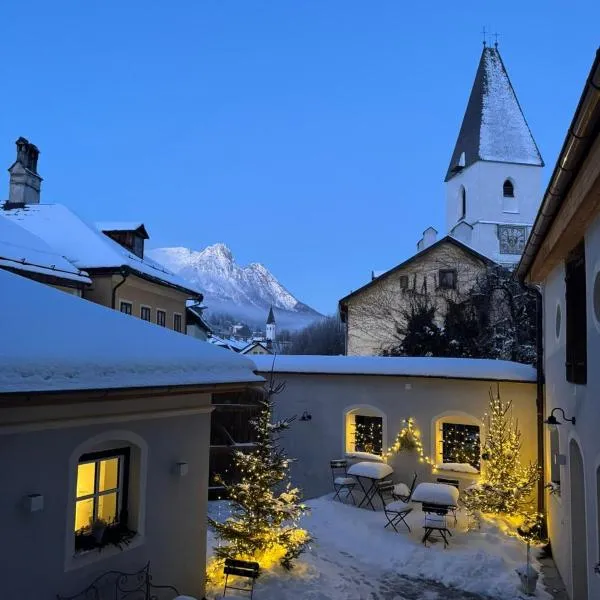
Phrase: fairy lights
(408,438)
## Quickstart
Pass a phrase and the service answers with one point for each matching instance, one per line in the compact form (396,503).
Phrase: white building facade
(562,256)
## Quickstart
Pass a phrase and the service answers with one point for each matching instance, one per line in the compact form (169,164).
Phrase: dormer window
(129,235)
(508,189)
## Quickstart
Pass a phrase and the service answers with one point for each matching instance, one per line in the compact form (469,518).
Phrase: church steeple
(494,127)
(271,327)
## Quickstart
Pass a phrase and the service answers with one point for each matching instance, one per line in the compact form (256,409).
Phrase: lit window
(101,499)
(461,444)
(368,434)
(161,318)
(177,322)
(126,307)
(146,313)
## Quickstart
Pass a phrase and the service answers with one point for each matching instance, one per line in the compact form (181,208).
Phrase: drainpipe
(124,274)
(539,399)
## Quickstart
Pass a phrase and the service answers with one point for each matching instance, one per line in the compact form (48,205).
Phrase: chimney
(25,183)
(429,237)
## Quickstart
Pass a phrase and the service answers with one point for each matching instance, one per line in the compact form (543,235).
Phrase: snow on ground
(354,558)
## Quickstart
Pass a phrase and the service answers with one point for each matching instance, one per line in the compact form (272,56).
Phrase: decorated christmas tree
(265,508)
(506,485)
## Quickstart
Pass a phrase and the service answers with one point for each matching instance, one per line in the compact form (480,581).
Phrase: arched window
(463,203)
(508,189)
(457,444)
(365,429)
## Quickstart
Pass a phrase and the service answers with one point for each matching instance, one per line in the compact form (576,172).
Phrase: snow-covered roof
(74,344)
(227,343)
(407,366)
(494,127)
(84,245)
(120,226)
(21,250)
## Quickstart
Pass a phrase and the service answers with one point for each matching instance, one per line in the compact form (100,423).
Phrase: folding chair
(435,520)
(395,511)
(399,491)
(240,568)
(455,483)
(341,479)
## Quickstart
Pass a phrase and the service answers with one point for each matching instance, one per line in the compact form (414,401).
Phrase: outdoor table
(436,499)
(372,471)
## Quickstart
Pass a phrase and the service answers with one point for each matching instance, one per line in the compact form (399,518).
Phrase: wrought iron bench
(118,585)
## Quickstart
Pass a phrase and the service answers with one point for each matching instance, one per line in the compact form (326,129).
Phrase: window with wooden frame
(146,313)
(368,434)
(126,307)
(576,317)
(447,279)
(161,317)
(177,321)
(101,496)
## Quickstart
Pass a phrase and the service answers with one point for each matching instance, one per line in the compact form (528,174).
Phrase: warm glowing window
(101,489)
(461,444)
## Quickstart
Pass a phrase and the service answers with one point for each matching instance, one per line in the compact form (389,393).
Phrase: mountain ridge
(246,292)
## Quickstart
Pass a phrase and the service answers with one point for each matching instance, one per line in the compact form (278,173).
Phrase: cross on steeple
(484,37)
(496,42)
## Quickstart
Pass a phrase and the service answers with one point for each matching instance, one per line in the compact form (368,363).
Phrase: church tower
(494,177)
(271,327)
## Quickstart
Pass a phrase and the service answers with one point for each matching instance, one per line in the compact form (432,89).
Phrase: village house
(104,444)
(111,254)
(492,190)
(562,257)
(355,406)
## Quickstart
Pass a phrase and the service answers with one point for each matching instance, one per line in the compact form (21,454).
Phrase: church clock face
(512,239)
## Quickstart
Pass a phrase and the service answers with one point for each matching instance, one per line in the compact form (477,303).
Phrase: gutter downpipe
(124,272)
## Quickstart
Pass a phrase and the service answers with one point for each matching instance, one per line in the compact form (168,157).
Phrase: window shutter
(576,318)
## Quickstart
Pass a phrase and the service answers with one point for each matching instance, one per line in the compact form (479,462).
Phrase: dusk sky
(311,136)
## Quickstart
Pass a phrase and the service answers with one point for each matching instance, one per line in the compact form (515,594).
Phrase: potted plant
(98,527)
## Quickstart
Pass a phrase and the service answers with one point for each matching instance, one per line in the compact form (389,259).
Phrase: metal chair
(341,479)
(395,511)
(455,483)
(240,568)
(435,520)
(399,495)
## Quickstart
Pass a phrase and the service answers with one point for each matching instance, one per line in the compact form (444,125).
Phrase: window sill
(83,558)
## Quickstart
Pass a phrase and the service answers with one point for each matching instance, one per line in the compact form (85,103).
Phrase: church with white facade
(493,182)
(492,193)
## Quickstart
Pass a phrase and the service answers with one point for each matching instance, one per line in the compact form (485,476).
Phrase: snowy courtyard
(353,557)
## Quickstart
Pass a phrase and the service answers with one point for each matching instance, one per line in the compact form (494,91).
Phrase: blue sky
(311,136)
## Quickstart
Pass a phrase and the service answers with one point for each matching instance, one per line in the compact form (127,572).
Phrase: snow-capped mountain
(244,292)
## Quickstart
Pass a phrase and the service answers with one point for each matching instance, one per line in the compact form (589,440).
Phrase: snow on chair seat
(395,511)
(342,482)
(398,505)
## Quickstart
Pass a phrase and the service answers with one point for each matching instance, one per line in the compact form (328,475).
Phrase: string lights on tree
(265,508)
(506,485)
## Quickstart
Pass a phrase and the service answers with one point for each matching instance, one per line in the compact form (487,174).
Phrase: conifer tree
(506,485)
(265,508)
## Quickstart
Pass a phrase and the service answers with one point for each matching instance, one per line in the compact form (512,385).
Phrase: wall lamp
(306,416)
(553,421)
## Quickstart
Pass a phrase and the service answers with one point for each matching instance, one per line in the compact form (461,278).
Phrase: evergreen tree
(506,485)
(265,508)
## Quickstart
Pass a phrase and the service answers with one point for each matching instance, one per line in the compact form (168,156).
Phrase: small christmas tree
(265,508)
(506,485)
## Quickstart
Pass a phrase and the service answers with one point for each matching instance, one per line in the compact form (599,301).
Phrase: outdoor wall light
(181,469)
(306,416)
(34,502)
(553,421)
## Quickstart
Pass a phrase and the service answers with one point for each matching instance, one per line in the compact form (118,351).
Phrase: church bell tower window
(508,189)
(463,203)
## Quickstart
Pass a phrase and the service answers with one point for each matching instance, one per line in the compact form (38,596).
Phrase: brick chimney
(25,183)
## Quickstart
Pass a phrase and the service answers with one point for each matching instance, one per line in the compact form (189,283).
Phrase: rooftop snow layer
(494,127)
(46,351)
(85,246)
(20,249)
(408,366)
